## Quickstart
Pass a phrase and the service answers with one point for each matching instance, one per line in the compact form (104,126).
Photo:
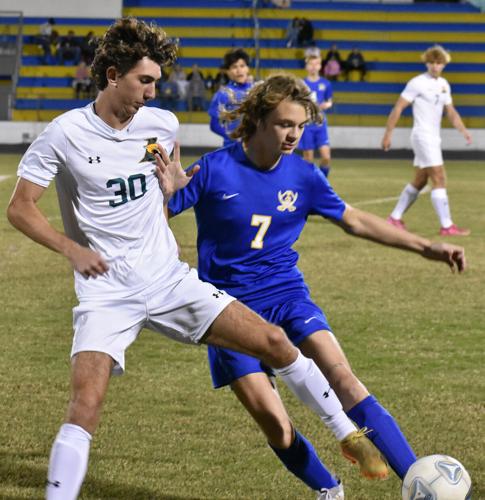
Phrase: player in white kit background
(428,93)
(125,260)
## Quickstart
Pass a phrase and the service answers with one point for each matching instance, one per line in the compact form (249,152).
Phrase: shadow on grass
(17,475)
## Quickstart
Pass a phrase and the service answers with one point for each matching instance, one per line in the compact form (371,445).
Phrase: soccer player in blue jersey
(315,135)
(228,97)
(251,201)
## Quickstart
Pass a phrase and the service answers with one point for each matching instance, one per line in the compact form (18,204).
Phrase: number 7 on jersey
(263,221)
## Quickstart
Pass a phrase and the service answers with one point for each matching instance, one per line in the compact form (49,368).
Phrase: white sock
(406,199)
(311,387)
(68,463)
(439,199)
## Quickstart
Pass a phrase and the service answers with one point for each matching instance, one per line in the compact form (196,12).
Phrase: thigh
(427,151)
(108,327)
(240,329)
(299,317)
(185,311)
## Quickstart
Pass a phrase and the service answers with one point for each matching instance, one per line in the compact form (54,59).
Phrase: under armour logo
(96,159)
(218,294)
(56,484)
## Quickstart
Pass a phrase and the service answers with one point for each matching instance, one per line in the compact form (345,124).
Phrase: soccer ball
(437,477)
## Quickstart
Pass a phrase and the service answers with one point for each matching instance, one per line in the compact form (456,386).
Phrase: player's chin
(288,148)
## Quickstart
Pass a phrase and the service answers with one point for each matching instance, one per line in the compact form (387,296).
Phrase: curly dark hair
(126,42)
(264,97)
(233,56)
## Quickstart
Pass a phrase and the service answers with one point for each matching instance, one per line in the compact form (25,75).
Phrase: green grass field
(414,332)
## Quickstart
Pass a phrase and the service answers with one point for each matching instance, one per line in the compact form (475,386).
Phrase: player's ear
(112,76)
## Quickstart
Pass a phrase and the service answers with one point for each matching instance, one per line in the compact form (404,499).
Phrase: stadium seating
(391,37)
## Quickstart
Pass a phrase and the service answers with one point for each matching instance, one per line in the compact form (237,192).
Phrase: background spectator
(196,90)
(332,69)
(220,80)
(168,95)
(68,50)
(88,47)
(82,82)
(333,51)
(305,35)
(292,32)
(179,77)
(355,62)
(44,39)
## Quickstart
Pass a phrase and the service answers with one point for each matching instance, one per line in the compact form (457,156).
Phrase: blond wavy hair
(264,97)
(436,53)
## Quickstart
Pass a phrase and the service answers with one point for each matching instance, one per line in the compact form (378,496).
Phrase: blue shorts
(298,318)
(314,137)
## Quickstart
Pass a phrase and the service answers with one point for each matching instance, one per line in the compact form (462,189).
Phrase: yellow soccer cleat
(357,448)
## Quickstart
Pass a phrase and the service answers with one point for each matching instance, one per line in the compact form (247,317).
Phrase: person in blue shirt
(229,96)
(315,135)
(251,202)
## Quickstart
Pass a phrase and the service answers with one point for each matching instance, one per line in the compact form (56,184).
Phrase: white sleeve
(449,99)
(411,91)
(45,156)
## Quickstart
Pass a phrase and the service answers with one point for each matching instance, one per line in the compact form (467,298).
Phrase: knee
(84,410)
(278,350)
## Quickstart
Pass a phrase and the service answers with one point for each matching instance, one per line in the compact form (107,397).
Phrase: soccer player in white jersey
(428,93)
(127,272)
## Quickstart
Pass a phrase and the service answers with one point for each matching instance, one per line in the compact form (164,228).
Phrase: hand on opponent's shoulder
(171,176)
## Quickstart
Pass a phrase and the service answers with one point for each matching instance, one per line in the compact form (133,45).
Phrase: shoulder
(220,156)
(160,115)
(417,80)
(297,162)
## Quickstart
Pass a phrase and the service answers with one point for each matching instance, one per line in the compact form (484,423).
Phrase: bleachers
(391,37)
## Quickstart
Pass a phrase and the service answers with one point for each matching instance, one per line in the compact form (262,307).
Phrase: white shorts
(427,151)
(184,312)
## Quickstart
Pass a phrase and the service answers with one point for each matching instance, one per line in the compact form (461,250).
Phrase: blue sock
(325,170)
(302,460)
(385,434)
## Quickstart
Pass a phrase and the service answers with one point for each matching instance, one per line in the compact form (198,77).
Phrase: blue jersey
(248,220)
(314,136)
(321,90)
(226,98)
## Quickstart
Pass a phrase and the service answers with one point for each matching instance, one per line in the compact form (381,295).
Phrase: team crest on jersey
(321,86)
(149,147)
(287,201)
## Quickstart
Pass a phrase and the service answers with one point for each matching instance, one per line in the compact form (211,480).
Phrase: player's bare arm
(171,175)
(24,214)
(457,122)
(392,120)
(371,227)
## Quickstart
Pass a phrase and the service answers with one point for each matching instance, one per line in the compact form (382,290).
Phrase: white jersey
(109,196)
(429,96)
